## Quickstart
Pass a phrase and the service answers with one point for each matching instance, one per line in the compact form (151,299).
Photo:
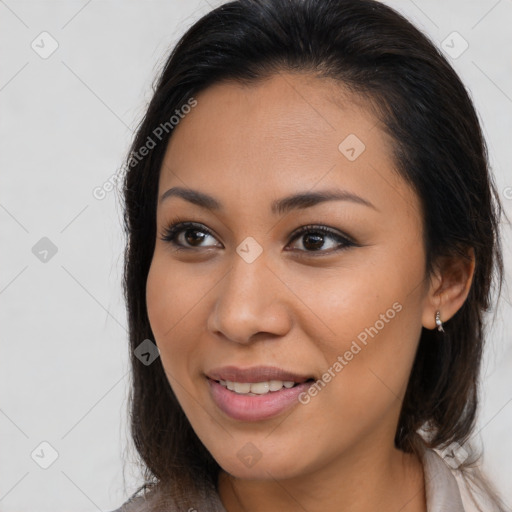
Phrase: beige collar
(441,488)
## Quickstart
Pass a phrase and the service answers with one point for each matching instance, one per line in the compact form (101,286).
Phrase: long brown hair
(439,150)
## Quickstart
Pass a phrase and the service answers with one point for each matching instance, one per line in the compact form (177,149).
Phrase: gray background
(65,125)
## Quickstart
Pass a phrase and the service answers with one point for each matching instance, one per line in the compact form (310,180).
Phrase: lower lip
(255,408)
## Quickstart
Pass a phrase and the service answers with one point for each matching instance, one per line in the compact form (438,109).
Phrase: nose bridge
(242,307)
(243,294)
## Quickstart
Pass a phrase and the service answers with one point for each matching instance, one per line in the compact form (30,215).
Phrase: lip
(255,374)
(255,408)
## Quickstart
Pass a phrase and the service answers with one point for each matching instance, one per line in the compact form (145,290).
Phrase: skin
(208,307)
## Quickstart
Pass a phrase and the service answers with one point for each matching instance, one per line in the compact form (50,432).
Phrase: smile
(271,398)
(257,388)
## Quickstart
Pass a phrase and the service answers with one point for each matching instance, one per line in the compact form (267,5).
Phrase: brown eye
(194,234)
(314,239)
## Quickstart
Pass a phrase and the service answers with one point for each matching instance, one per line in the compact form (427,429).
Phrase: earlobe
(449,288)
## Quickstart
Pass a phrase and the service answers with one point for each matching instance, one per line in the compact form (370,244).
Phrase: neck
(375,480)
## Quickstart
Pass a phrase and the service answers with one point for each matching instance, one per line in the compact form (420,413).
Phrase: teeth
(256,388)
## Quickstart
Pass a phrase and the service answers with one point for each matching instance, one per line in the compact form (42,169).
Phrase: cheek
(368,299)
(170,298)
(159,304)
(170,306)
(373,313)
(367,370)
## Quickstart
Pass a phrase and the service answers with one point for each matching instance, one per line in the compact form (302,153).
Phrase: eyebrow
(278,207)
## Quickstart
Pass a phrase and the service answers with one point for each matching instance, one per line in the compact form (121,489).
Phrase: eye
(312,237)
(195,234)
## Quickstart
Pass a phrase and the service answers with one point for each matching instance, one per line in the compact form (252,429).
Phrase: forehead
(289,132)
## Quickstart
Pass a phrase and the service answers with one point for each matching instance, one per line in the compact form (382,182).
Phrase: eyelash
(178,226)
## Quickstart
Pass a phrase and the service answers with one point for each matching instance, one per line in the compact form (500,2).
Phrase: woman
(312,235)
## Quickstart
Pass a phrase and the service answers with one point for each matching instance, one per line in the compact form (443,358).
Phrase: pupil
(316,245)
(193,239)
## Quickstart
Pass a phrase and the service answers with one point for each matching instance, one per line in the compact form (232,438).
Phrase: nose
(250,303)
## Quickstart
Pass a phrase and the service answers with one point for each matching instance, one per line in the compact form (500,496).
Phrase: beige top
(441,489)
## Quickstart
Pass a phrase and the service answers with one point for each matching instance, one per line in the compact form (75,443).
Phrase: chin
(270,467)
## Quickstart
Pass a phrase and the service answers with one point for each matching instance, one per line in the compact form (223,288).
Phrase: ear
(449,287)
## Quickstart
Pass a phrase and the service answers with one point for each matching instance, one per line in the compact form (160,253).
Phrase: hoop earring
(439,323)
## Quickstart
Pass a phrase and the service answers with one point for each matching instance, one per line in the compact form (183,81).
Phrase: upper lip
(255,374)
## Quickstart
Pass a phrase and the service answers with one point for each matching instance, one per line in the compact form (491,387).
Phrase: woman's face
(243,288)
